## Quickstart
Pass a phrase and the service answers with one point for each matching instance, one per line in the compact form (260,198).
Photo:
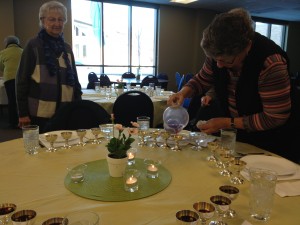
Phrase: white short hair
(52,5)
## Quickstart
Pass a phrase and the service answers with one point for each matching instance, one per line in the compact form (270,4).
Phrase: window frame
(130,66)
(271,22)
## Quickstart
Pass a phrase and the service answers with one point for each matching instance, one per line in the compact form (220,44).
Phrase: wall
(179,40)
(6,20)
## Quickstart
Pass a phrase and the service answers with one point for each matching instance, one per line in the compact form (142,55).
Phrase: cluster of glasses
(160,138)
(229,164)
(219,206)
(106,129)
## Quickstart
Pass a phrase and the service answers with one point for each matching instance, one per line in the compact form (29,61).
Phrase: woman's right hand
(176,99)
(23,121)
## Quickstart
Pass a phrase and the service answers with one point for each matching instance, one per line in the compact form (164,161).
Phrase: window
(275,32)
(114,38)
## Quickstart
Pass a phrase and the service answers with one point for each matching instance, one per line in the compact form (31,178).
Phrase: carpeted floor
(6,132)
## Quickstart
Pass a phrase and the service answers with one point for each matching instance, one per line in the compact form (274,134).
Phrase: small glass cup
(144,122)
(187,217)
(107,129)
(228,139)
(77,173)
(6,210)
(131,153)
(152,167)
(97,86)
(131,180)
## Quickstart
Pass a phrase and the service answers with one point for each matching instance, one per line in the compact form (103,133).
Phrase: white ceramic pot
(116,167)
(119,91)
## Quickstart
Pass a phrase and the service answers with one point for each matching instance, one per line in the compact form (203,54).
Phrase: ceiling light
(183,1)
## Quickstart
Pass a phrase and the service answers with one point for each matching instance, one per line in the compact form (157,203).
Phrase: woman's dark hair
(228,34)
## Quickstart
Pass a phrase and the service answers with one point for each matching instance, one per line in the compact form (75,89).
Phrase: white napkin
(288,188)
(283,189)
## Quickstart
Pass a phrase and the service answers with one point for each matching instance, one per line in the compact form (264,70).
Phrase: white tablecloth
(3,96)
(37,182)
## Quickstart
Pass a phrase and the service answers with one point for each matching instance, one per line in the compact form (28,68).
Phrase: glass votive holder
(131,153)
(131,180)
(77,173)
(152,167)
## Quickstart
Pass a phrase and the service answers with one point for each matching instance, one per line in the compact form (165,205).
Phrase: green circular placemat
(99,185)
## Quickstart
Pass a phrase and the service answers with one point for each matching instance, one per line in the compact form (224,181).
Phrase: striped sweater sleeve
(274,89)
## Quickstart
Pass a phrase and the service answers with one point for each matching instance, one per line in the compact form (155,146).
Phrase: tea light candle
(130,155)
(152,168)
(131,181)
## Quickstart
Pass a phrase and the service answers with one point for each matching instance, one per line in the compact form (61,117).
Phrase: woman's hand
(23,121)
(214,125)
(205,100)
(176,99)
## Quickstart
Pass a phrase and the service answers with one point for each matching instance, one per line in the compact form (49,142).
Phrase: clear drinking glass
(107,129)
(31,139)
(262,189)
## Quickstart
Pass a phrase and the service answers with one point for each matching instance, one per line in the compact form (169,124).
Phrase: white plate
(280,165)
(59,137)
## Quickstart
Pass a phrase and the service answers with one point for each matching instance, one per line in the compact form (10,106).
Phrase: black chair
(128,75)
(150,79)
(92,77)
(104,80)
(129,105)
(163,80)
(83,114)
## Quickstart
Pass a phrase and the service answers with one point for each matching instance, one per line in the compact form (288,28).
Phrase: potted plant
(117,148)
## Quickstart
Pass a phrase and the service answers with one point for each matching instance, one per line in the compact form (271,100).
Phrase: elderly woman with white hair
(47,77)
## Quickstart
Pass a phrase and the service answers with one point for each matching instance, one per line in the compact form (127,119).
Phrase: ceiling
(287,10)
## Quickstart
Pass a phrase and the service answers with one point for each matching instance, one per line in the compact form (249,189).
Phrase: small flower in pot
(118,146)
